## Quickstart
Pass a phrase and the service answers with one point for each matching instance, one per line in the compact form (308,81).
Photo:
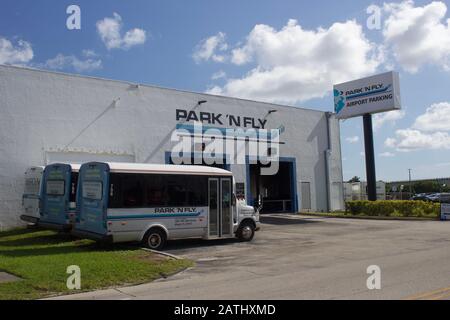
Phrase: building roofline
(28,68)
(418,180)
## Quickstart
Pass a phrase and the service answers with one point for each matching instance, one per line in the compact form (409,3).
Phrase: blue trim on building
(294,198)
(237,132)
(247,179)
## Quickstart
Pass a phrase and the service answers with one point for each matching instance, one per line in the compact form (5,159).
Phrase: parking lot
(304,257)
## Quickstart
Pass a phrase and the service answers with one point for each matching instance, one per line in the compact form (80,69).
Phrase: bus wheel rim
(246,232)
(154,240)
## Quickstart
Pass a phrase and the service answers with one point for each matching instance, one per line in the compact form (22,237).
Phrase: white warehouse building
(48,117)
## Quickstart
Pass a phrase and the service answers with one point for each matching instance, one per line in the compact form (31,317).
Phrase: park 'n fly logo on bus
(176,210)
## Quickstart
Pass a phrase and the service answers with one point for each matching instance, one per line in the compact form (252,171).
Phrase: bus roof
(75,166)
(166,168)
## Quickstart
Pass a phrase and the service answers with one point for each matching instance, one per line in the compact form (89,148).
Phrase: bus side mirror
(259,203)
(233,201)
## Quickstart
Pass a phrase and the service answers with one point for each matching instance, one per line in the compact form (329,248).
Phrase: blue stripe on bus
(156,215)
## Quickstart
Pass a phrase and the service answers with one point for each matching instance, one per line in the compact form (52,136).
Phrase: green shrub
(393,208)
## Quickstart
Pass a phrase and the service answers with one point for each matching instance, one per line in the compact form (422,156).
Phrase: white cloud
(411,139)
(430,130)
(418,35)
(109,30)
(435,118)
(294,64)
(88,53)
(62,62)
(211,48)
(353,139)
(386,154)
(218,75)
(19,53)
(380,119)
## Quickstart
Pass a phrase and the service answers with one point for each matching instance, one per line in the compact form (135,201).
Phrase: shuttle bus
(59,186)
(151,203)
(31,194)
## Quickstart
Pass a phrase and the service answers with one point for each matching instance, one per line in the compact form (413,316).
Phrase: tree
(426,186)
(354,179)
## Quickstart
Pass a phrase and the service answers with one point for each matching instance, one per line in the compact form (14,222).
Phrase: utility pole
(410,186)
(370,158)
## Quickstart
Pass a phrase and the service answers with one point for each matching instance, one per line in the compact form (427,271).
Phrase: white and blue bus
(31,194)
(151,203)
(58,196)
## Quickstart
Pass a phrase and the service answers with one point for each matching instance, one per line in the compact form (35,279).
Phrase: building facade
(50,117)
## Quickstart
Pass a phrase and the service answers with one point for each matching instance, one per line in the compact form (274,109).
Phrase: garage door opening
(278,191)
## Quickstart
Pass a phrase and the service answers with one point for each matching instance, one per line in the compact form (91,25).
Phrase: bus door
(73,196)
(92,197)
(56,193)
(32,191)
(220,210)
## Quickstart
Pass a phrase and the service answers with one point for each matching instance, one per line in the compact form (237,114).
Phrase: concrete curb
(163,253)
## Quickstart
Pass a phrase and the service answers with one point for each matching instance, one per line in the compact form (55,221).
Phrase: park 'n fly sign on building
(368,95)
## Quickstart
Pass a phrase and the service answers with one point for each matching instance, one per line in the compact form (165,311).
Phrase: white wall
(43,114)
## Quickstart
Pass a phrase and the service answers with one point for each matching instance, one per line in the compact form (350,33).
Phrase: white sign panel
(368,95)
(445,211)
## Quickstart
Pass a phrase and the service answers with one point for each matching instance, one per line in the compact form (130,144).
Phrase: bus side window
(126,190)
(133,192)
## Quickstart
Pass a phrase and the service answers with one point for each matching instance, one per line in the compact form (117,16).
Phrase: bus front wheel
(155,239)
(246,231)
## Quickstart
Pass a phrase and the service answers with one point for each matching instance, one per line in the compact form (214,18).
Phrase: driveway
(304,257)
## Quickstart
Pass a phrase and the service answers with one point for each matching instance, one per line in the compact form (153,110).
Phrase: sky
(288,52)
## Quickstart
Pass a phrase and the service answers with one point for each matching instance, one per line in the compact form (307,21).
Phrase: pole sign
(445,211)
(368,95)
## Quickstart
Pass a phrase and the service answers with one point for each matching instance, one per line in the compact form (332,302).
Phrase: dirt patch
(153,257)
(7,277)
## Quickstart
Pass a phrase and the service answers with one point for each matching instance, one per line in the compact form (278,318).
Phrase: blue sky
(182,44)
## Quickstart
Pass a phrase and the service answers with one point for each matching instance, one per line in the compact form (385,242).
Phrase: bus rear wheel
(155,239)
(246,231)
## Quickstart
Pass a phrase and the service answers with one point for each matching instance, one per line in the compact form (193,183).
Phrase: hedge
(393,208)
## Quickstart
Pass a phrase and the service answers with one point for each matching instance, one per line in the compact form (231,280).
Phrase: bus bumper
(29,219)
(258,225)
(55,226)
(106,238)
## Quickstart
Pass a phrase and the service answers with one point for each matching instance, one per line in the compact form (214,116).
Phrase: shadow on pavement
(197,243)
(283,220)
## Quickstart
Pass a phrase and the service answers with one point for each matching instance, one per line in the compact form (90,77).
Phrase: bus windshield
(55,187)
(92,190)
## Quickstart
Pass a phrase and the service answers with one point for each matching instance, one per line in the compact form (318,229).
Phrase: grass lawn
(41,257)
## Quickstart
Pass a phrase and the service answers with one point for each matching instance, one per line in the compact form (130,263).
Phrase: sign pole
(370,158)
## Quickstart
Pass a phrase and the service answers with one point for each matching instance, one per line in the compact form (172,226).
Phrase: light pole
(410,186)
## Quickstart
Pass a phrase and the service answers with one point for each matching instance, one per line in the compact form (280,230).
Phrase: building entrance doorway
(278,192)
